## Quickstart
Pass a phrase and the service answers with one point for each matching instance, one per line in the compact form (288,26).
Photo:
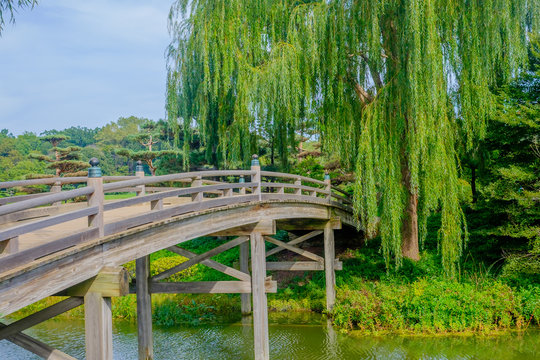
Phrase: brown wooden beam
(208,287)
(240,275)
(197,259)
(40,316)
(298,240)
(110,282)
(265,227)
(299,251)
(300,265)
(307,224)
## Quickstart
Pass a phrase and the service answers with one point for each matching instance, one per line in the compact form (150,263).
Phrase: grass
(118,196)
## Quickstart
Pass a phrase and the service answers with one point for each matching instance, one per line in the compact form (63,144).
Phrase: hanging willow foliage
(394,84)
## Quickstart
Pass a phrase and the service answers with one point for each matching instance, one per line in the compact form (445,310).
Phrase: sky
(83,63)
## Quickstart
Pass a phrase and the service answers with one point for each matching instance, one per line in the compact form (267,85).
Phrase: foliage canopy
(392,84)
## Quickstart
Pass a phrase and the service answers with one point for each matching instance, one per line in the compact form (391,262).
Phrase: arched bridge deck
(49,248)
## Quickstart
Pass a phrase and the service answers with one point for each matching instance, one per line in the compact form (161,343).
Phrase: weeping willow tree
(395,85)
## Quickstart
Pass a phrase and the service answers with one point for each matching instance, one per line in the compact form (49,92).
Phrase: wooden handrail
(293,177)
(59,180)
(175,192)
(175,177)
(49,221)
(44,200)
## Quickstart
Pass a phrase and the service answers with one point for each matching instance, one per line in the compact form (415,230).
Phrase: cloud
(69,63)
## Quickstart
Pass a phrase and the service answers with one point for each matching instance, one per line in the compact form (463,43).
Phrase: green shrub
(434,305)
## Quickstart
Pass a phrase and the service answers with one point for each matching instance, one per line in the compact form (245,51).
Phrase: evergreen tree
(391,82)
(66,160)
(148,137)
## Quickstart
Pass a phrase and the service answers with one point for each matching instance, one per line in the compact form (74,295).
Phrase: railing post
(56,188)
(97,197)
(298,183)
(244,267)
(196,183)
(328,185)
(139,172)
(256,166)
(242,190)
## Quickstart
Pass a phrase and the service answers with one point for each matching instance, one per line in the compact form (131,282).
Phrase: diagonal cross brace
(197,259)
(40,316)
(213,264)
(305,253)
(298,240)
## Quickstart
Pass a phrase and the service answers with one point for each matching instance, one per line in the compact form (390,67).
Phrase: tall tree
(65,160)
(148,137)
(388,80)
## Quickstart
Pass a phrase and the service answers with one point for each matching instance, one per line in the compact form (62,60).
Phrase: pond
(302,336)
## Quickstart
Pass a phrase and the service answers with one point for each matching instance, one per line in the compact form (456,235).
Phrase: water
(292,336)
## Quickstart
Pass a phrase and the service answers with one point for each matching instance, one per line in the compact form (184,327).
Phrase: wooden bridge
(77,248)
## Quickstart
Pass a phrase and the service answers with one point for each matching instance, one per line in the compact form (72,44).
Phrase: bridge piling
(260,308)
(144,308)
(329,261)
(98,326)
(244,267)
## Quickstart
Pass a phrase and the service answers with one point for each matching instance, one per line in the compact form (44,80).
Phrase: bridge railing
(203,192)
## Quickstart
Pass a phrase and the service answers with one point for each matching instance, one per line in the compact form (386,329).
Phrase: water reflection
(302,336)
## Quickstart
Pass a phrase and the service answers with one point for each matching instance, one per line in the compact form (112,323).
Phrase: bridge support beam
(144,308)
(244,267)
(329,265)
(260,308)
(98,326)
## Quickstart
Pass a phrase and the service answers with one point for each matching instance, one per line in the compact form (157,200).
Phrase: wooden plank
(176,177)
(330,276)
(260,308)
(25,256)
(300,265)
(292,176)
(40,316)
(37,347)
(17,198)
(299,251)
(298,240)
(172,192)
(309,189)
(158,215)
(50,221)
(144,309)
(44,200)
(245,299)
(213,264)
(265,227)
(43,181)
(307,224)
(98,327)
(110,282)
(40,212)
(197,259)
(208,287)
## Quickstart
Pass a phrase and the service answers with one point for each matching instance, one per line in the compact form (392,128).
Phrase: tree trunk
(409,228)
